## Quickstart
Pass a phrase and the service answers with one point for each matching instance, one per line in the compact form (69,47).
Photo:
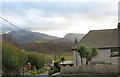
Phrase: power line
(11,23)
(16,26)
(31,35)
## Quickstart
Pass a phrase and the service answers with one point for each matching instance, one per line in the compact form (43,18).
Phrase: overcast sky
(60,18)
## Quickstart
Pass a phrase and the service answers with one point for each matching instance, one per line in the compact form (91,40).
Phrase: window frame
(114,52)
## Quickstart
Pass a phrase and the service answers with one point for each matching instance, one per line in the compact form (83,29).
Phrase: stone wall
(94,69)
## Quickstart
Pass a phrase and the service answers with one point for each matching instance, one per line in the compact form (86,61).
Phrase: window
(115,52)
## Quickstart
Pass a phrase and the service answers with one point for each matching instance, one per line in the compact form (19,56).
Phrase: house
(26,68)
(66,63)
(107,43)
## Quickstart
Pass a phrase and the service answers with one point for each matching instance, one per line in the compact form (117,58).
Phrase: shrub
(13,59)
(35,59)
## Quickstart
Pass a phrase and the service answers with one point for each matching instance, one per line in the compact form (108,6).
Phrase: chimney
(118,26)
(119,37)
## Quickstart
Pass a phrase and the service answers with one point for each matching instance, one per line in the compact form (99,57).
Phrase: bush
(35,59)
(58,60)
(13,59)
(33,73)
(50,72)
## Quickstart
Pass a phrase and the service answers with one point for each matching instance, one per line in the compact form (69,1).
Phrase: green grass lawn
(50,56)
(105,63)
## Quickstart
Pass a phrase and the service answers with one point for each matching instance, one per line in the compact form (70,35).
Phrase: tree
(12,59)
(82,49)
(35,59)
(94,52)
(87,53)
(88,56)
(91,53)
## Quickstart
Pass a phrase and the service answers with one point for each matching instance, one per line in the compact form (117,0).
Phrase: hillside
(48,47)
(23,37)
(71,36)
(28,36)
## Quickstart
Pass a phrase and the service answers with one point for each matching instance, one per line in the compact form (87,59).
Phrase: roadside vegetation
(39,54)
(13,59)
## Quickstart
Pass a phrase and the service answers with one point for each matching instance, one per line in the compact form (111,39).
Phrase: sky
(59,18)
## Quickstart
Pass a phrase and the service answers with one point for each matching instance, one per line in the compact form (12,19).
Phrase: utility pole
(55,50)
(76,41)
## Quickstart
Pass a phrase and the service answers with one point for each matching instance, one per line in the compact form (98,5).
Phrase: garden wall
(92,69)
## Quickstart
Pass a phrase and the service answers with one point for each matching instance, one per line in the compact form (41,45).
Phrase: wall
(115,60)
(94,69)
(103,56)
(77,59)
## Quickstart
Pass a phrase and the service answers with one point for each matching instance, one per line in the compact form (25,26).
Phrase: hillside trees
(48,47)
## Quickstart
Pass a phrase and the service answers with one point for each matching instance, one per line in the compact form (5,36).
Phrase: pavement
(58,73)
(45,73)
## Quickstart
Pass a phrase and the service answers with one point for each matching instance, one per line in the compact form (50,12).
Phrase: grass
(33,73)
(41,41)
(106,63)
(66,55)
(50,56)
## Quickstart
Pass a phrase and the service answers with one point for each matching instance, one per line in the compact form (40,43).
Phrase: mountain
(28,36)
(48,46)
(70,37)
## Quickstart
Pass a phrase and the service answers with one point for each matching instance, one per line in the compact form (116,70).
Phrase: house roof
(101,38)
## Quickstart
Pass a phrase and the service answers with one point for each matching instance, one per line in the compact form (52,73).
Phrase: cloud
(61,18)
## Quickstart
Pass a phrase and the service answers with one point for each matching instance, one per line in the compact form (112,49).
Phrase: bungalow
(107,43)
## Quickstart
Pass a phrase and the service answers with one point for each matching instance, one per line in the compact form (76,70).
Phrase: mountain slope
(28,36)
(71,37)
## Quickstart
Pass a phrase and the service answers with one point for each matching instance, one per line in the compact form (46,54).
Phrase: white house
(107,43)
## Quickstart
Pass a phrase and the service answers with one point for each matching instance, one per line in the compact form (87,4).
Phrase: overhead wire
(12,24)
(31,35)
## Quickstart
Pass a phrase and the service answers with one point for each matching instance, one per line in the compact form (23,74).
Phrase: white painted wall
(103,55)
(74,58)
(114,60)
(77,62)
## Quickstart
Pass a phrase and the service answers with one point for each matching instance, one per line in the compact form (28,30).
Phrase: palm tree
(88,56)
(82,49)
(91,53)
(94,51)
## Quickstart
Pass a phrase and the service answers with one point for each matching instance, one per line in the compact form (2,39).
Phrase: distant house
(107,43)
(26,67)
(66,63)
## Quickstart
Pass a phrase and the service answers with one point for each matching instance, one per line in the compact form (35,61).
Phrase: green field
(50,56)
